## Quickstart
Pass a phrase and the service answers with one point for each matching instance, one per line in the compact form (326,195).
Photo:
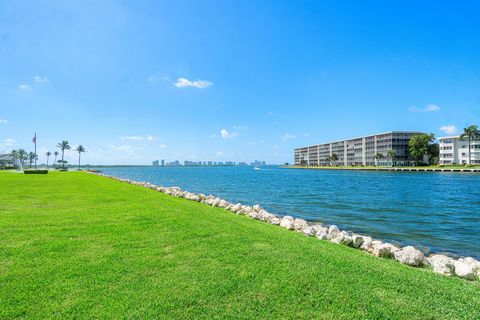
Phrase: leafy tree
(391,154)
(419,146)
(433,153)
(63,146)
(80,149)
(56,155)
(48,154)
(470,133)
(303,163)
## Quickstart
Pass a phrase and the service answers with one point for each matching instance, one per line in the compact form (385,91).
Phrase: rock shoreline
(466,268)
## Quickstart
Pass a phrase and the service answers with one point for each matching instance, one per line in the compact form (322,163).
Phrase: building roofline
(370,135)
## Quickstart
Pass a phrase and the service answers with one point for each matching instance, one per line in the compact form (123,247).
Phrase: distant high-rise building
(163,163)
(155,163)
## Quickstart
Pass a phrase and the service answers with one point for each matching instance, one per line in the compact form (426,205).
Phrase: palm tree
(470,133)
(391,154)
(80,149)
(31,158)
(332,159)
(48,154)
(63,146)
(377,157)
(14,154)
(22,156)
(56,155)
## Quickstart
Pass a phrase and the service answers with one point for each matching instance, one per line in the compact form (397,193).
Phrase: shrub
(35,171)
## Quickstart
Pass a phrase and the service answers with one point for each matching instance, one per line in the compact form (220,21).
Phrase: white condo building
(455,151)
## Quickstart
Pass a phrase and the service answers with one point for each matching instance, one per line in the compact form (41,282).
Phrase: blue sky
(136,81)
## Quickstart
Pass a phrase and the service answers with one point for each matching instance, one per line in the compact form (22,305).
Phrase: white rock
(222,204)
(357,240)
(342,238)
(257,208)
(464,270)
(236,207)
(322,233)
(385,250)
(287,222)
(274,220)
(333,231)
(410,256)
(475,264)
(441,264)
(254,214)
(299,224)
(309,231)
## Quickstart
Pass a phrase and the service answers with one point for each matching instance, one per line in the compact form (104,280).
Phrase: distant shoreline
(394,169)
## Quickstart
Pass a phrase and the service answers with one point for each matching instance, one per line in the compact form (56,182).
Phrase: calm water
(439,212)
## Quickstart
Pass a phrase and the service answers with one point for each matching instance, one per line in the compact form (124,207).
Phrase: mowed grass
(74,245)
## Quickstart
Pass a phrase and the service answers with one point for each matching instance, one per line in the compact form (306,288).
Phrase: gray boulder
(441,264)
(274,220)
(333,231)
(475,264)
(385,250)
(342,238)
(287,222)
(357,240)
(309,231)
(464,270)
(299,224)
(410,256)
(257,208)
(322,233)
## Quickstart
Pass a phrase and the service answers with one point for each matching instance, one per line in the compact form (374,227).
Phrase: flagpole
(35,141)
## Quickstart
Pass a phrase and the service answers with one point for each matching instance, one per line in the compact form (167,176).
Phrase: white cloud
(449,129)
(41,80)
(219,153)
(163,146)
(184,83)
(427,108)
(288,136)
(3,121)
(121,148)
(227,135)
(7,144)
(240,127)
(25,87)
(156,78)
(138,138)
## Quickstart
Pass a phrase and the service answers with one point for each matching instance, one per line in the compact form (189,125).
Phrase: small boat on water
(256,168)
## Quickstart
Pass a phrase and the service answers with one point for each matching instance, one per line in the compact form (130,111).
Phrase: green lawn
(74,245)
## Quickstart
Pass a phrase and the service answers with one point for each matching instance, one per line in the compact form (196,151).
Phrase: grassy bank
(78,245)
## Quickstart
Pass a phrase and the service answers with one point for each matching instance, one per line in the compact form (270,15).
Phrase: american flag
(34,140)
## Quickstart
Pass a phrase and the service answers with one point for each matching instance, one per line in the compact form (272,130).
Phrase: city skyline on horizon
(231,81)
